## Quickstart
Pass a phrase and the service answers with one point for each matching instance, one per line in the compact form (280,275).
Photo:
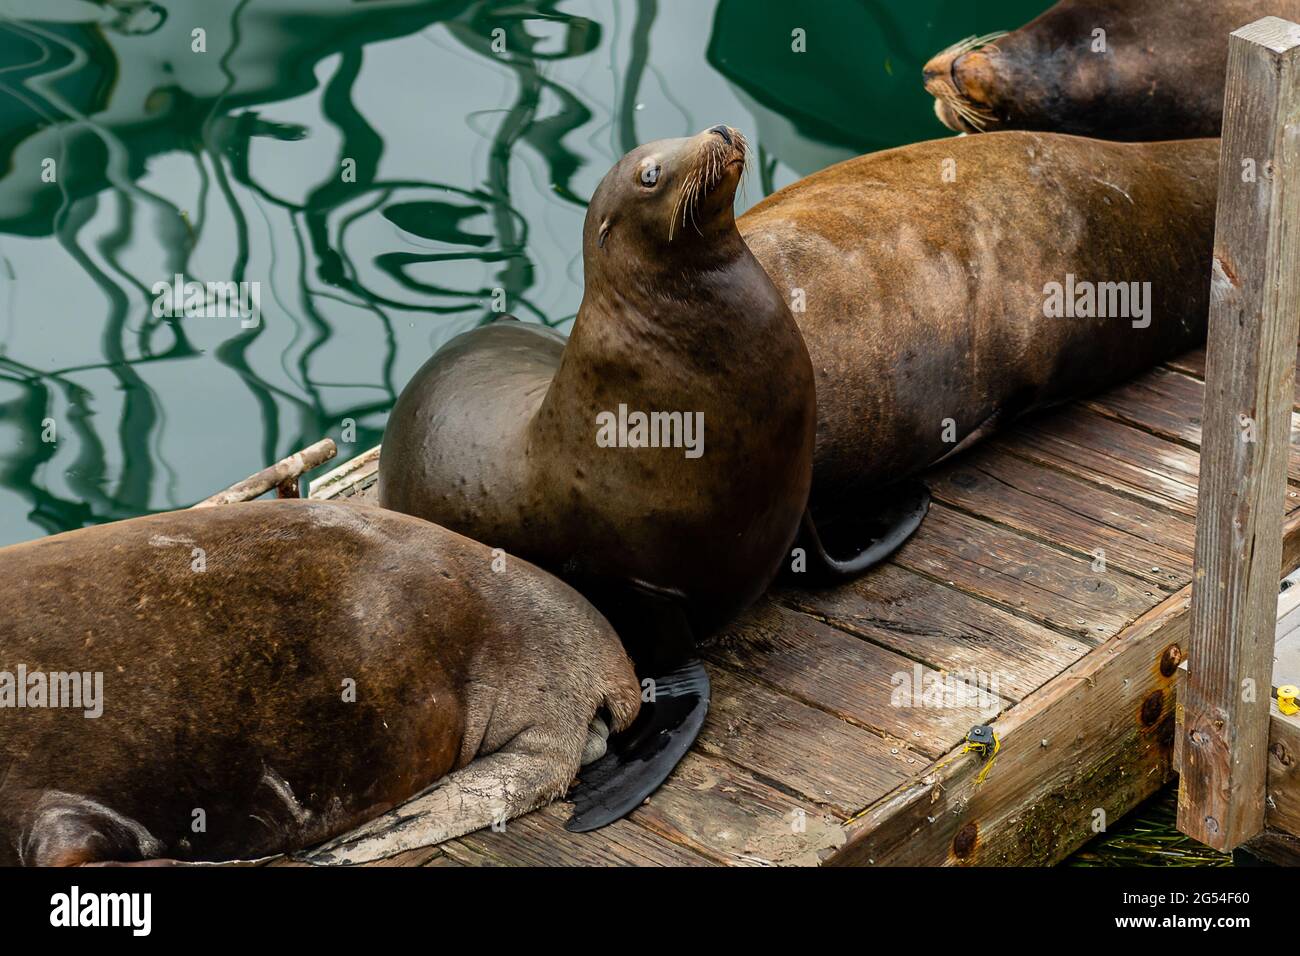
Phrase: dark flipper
(891,526)
(642,757)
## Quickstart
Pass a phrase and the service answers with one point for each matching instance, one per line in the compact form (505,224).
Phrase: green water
(472,167)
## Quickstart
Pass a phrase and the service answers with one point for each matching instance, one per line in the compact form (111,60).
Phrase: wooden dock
(1051,580)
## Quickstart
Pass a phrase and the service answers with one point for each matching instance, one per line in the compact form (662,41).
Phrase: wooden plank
(442,859)
(1283,804)
(1161,401)
(539,839)
(942,627)
(1070,513)
(1286,637)
(1098,736)
(1250,371)
(467,855)
(1169,404)
(850,678)
(350,478)
(1025,576)
(1111,454)
(1193,364)
(730,816)
(1190,363)
(1038,808)
(801,749)
(1275,847)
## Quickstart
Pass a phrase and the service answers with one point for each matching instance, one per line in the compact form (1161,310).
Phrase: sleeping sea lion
(1114,69)
(946,287)
(253,679)
(660,459)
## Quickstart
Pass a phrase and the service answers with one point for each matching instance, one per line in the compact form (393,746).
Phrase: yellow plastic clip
(1286,696)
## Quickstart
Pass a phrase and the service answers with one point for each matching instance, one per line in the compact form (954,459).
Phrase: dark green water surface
(472,171)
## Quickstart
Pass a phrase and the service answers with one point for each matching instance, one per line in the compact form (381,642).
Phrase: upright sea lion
(1114,69)
(930,278)
(271,675)
(660,459)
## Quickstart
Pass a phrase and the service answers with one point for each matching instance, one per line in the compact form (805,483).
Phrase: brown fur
(496,435)
(925,298)
(1162,76)
(223,689)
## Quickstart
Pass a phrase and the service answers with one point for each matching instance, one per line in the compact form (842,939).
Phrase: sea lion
(515,437)
(926,274)
(274,674)
(1114,69)
(660,459)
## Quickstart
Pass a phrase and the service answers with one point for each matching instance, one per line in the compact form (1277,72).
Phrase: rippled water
(472,167)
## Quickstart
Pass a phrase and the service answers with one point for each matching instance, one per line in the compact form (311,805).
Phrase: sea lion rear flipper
(489,790)
(890,528)
(641,758)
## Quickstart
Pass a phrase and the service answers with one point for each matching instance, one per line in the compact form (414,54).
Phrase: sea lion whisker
(972,43)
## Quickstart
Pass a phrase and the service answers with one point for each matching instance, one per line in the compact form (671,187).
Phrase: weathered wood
(282,473)
(349,479)
(1097,737)
(1071,514)
(1250,375)
(1106,723)
(1286,639)
(1113,455)
(1025,576)
(725,813)
(1283,804)
(823,759)
(1170,404)
(846,676)
(1193,364)
(539,839)
(942,627)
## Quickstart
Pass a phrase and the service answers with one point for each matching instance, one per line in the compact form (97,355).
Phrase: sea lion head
(1083,68)
(966,85)
(666,204)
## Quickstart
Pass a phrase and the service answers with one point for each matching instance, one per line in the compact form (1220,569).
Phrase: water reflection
(381,168)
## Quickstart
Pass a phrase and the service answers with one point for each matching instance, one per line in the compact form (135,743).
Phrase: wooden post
(1250,373)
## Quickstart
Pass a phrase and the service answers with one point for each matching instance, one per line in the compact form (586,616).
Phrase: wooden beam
(349,478)
(1283,772)
(283,476)
(1250,383)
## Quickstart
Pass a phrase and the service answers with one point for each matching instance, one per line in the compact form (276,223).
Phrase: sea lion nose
(724,132)
(973,74)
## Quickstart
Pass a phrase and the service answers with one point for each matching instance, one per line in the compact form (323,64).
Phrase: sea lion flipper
(641,758)
(892,525)
(486,792)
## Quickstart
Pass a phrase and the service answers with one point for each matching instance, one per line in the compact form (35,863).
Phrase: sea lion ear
(604,231)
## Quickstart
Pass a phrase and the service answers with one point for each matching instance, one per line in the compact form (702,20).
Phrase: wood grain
(1250,376)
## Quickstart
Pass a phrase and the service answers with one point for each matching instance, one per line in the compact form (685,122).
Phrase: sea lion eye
(650,174)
